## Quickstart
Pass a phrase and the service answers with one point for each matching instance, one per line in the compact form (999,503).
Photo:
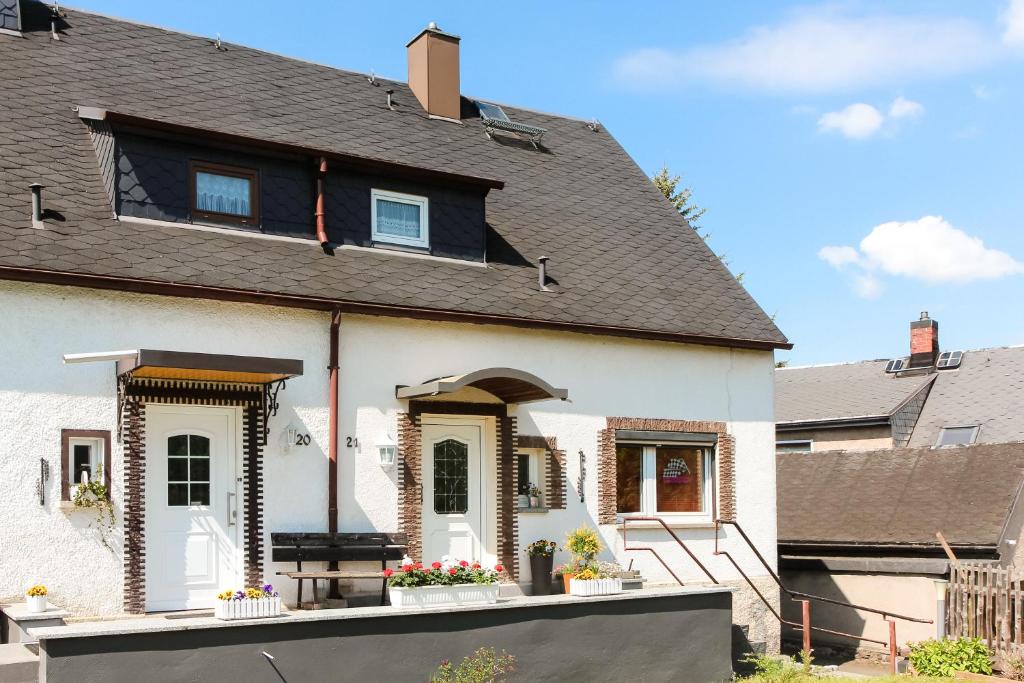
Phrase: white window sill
(534,511)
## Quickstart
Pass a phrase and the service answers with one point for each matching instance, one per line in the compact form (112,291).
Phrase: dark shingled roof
(622,257)
(843,391)
(898,496)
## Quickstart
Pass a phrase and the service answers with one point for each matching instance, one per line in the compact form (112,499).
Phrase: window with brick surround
(664,479)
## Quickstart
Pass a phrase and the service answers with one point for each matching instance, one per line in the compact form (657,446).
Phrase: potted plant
(592,581)
(558,584)
(36,598)
(535,494)
(92,494)
(542,557)
(252,603)
(584,544)
(448,582)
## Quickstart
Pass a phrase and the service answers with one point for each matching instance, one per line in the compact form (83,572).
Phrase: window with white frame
(85,455)
(86,459)
(664,479)
(957,436)
(793,446)
(398,218)
(530,470)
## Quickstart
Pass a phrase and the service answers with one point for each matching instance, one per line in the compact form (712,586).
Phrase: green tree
(682,199)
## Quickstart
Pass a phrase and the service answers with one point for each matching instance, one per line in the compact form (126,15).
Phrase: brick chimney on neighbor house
(924,342)
(434,71)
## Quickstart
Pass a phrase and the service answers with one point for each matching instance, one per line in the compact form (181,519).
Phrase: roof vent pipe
(542,273)
(389,93)
(37,203)
(55,14)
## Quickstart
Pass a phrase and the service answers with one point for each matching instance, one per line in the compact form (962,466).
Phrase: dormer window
(224,194)
(399,218)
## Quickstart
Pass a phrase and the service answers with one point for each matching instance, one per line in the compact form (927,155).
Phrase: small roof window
(957,436)
(896,365)
(949,360)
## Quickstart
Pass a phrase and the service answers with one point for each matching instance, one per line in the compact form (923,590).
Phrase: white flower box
(36,603)
(589,587)
(440,596)
(248,608)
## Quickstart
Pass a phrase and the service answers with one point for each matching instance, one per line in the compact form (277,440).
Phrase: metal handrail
(625,544)
(796,595)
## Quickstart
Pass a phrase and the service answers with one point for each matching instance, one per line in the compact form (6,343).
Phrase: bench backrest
(339,547)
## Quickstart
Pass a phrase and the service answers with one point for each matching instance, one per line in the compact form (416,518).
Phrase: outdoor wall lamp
(386,449)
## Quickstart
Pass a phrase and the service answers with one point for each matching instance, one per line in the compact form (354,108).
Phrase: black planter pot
(540,573)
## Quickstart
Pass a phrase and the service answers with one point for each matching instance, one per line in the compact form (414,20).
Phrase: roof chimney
(434,71)
(924,342)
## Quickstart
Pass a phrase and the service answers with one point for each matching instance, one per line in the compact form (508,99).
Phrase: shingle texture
(620,255)
(987,390)
(900,496)
(828,392)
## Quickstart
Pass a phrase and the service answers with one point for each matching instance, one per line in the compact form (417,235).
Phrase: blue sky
(860,161)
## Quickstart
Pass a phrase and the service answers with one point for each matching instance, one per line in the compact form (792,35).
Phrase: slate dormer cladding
(152,181)
(10,15)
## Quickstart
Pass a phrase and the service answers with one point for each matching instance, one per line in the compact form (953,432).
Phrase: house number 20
(302,439)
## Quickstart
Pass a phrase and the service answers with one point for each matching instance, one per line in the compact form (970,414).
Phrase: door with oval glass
(453,505)
(192,530)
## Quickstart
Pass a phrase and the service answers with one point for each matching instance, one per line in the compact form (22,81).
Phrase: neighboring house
(875,457)
(860,527)
(931,398)
(319,300)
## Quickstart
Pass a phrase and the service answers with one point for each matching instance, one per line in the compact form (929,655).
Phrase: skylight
(896,365)
(491,111)
(957,436)
(494,118)
(949,360)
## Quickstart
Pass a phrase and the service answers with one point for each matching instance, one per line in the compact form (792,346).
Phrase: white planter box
(590,587)
(439,596)
(36,603)
(247,608)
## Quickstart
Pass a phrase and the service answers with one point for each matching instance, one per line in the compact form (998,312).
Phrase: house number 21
(351,442)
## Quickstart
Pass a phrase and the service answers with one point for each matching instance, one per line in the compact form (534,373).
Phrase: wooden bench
(340,547)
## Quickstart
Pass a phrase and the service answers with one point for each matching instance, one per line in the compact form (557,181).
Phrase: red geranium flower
(476,565)
(453,571)
(463,564)
(388,572)
(418,565)
(436,565)
(498,568)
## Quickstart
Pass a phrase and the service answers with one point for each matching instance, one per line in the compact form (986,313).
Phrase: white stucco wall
(604,375)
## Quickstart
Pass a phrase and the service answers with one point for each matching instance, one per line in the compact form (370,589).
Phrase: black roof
(623,259)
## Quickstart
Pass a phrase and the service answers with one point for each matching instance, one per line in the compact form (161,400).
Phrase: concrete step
(19,663)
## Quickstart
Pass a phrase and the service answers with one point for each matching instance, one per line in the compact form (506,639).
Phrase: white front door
(453,503)
(192,530)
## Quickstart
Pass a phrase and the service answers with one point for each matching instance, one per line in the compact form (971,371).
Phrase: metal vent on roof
(494,118)
(949,360)
(896,365)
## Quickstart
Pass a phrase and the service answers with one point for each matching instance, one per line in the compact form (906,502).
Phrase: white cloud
(1013,23)
(856,121)
(860,121)
(928,249)
(839,257)
(821,50)
(902,108)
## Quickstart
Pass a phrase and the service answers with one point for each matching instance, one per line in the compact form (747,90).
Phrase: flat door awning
(508,384)
(207,367)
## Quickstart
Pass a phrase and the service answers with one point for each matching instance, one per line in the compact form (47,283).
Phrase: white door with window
(453,501)
(192,530)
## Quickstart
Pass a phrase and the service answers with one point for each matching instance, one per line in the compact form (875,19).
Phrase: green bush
(483,666)
(946,657)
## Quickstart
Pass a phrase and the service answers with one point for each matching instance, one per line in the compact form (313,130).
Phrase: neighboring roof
(898,496)
(987,390)
(841,392)
(624,261)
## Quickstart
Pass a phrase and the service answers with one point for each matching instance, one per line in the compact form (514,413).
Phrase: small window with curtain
(664,479)
(398,218)
(224,194)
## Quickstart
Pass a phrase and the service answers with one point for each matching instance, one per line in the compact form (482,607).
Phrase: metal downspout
(332,447)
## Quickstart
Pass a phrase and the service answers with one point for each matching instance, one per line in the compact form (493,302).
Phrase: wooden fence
(987,601)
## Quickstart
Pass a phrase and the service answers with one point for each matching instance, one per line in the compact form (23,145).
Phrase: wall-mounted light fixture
(386,450)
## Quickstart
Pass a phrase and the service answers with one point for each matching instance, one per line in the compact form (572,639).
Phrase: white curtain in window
(398,219)
(222,194)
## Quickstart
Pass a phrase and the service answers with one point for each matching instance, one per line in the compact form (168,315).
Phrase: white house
(282,274)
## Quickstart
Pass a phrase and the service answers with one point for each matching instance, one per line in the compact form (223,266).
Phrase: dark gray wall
(666,638)
(152,182)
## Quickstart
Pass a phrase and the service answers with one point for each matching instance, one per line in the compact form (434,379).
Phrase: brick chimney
(924,342)
(434,71)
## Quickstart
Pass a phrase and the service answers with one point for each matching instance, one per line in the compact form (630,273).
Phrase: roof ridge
(312,62)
